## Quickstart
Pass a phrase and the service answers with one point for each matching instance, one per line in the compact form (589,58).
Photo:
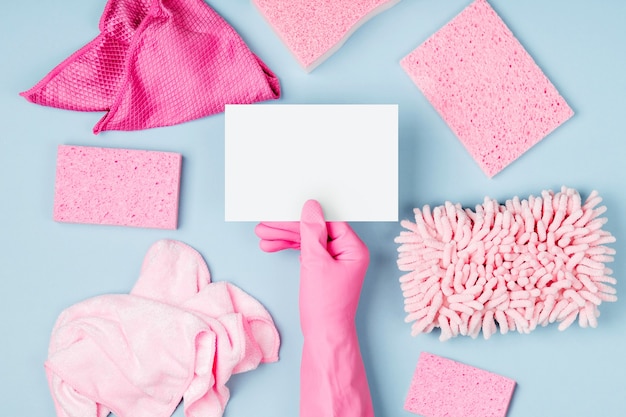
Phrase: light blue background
(47,266)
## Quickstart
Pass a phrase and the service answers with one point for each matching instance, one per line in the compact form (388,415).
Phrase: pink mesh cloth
(157,63)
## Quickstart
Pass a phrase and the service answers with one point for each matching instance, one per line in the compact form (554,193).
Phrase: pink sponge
(312,29)
(445,388)
(486,87)
(117,187)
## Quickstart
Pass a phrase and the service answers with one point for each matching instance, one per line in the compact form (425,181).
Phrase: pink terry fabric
(445,388)
(523,264)
(314,29)
(121,187)
(157,63)
(176,336)
(486,87)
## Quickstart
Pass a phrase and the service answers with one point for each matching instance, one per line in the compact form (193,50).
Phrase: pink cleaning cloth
(486,87)
(522,264)
(157,63)
(121,187)
(445,388)
(176,336)
(315,29)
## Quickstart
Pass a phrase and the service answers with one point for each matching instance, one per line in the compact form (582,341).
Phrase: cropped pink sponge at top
(313,30)
(176,336)
(513,266)
(157,63)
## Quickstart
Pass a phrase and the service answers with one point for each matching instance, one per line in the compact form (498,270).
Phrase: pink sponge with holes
(314,30)
(445,388)
(486,87)
(117,187)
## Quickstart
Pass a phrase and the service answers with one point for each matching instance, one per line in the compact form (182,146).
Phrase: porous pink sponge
(522,264)
(445,388)
(486,87)
(117,187)
(314,29)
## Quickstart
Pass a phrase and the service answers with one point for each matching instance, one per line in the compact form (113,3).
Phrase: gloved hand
(333,263)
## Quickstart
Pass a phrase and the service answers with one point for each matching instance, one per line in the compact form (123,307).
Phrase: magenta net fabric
(157,63)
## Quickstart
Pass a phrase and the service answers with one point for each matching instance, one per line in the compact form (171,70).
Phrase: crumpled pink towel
(175,336)
(157,63)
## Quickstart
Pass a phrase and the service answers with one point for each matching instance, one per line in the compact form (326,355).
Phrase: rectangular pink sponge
(312,30)
(445,388)
(486,87)
(117,187)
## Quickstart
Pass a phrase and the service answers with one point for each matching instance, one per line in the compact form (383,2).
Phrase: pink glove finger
(344,244)
(277,245)
(313,233)
(278,231)
(276,236)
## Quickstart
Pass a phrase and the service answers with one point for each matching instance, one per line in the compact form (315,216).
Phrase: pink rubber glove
(333,262)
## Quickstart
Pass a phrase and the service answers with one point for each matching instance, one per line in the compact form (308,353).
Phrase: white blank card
(277,156)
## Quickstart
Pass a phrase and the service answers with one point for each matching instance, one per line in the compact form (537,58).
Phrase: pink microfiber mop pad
(140,354)
(522,264)
(117,187)
(445,388)
(486,87)
(314,29)
(157,63)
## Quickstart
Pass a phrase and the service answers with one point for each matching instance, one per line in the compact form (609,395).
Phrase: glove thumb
(313,232)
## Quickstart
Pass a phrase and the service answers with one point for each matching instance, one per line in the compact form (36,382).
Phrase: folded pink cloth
(157,63)
(175,336)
